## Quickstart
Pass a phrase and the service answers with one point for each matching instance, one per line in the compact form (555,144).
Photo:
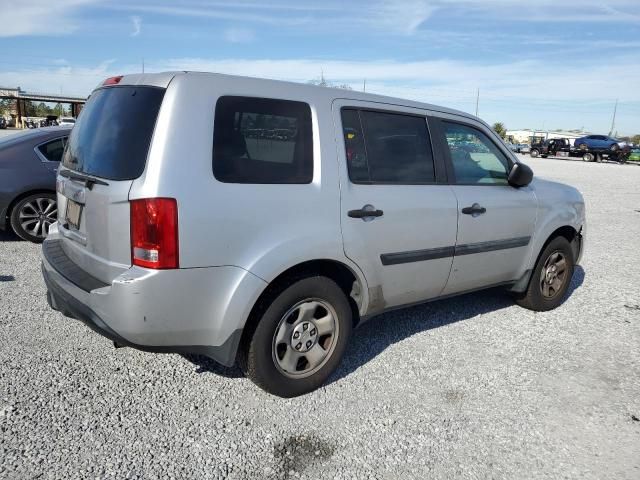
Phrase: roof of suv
(163,79)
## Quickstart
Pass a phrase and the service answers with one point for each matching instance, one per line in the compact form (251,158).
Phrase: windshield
(111,137)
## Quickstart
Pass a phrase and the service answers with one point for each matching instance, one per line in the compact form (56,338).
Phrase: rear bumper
(200,311)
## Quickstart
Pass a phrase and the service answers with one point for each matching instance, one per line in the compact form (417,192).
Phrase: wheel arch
(351,282)
(573,236)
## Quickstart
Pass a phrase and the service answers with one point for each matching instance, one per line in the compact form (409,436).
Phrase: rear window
(262,140)
(112,135)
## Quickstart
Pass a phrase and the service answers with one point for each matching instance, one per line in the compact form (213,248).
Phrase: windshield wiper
(88,180)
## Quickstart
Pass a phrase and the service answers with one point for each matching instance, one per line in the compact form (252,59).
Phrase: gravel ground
(472,387)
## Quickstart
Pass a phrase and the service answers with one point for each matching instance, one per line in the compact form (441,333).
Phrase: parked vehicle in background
(512,146)
(597,142)
(69,121)
(551,147)
(279,247)
(28,163)
(634,155)
(3,123)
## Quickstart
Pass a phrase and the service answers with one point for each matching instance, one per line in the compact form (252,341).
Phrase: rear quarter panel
(264,229)
(21,172)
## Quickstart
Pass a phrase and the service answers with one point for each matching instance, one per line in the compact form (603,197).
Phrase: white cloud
(136,23)
(567,97)
(239,35)
(40,17)
(405,17)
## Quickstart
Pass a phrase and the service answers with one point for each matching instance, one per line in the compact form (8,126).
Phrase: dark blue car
(597,142)
(28,164)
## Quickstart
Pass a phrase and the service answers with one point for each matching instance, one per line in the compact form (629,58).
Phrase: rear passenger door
(398,216)
(495,220)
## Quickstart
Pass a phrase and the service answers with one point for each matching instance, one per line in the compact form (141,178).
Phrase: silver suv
(259,221)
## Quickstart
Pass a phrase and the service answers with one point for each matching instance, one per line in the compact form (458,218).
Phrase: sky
(548,64)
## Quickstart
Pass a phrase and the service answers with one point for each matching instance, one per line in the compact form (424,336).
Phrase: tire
(544,155)
(534,153)
(615,147)
(582,146)
(271,358)
(541,294)
(32,216)
(588,157)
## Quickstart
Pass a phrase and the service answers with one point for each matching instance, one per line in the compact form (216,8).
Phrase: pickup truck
(552,147)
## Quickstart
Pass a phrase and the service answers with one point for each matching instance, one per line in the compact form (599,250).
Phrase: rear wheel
(588,157)
(615,147)
(32,216)
(299,339)
(550,278)
(534,153)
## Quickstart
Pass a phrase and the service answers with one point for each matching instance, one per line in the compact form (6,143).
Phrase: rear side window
(261,140)
(53,150)
(387,148)
(112,135)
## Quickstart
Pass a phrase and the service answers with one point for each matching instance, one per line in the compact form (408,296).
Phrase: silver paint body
(235,238)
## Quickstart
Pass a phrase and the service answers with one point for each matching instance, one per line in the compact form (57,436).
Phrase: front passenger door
(495,220)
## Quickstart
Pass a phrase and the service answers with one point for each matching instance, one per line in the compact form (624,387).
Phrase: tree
(636,139)
(323,82)
(500,129)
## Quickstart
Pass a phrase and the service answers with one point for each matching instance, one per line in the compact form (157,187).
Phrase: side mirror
(520,175)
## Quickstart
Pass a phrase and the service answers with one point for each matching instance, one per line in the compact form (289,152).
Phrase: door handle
(366,212)
(474,210)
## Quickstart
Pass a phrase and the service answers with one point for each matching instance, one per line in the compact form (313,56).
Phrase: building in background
(16,104)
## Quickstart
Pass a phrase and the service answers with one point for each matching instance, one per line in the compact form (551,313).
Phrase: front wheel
(588,157)
(550,278)
(300,338)
(534,153)
(615,147)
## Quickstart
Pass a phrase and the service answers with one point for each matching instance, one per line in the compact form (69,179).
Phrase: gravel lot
(472,387)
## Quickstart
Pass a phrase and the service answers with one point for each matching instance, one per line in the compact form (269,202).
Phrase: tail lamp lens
(154,233)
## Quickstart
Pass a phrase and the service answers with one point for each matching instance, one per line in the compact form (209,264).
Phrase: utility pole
(143,65)
(477,101)
(364,85)
(613,120)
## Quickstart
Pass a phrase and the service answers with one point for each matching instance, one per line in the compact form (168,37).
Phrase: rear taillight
(154,233)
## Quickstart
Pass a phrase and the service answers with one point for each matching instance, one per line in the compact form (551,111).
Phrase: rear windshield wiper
(88,180)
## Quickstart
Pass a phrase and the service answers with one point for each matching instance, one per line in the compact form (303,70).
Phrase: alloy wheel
(36,216)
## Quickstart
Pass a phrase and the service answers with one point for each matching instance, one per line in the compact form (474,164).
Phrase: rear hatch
(107,150)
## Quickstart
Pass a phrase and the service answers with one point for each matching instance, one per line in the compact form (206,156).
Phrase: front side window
(475,158)
(387,148)
(262,141)
(53,150)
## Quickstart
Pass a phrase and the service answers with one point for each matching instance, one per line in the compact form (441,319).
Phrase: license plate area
(73,214)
